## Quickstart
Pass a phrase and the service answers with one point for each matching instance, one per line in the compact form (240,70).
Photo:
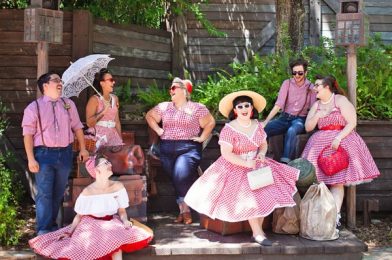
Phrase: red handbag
(334,162)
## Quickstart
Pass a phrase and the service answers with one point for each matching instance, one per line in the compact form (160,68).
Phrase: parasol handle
(91,85)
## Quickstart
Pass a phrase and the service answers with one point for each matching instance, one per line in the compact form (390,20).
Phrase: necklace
(329,100)
(245,126)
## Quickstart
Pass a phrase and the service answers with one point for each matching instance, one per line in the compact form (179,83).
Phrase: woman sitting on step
(101,228)
(223,191)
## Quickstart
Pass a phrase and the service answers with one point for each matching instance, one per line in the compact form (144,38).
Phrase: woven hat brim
(226,103)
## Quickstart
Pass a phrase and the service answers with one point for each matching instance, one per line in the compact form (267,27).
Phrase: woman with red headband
(101,228)
(336,119)
(185,126)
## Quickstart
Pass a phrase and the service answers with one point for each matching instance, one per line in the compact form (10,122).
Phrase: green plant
(124,93)
(10,194)
(265,75)
(152,95)
(13,4)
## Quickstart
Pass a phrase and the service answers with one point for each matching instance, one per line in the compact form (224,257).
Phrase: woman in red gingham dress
(102,111)
(223,191)
(336,119)
(185,126)
(96,232)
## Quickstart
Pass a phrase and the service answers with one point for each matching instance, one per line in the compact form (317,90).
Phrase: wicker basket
(334,162)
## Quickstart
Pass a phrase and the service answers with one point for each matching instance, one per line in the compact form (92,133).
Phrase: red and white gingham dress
(93,238)
(223,191)
(361,168)
(181,124)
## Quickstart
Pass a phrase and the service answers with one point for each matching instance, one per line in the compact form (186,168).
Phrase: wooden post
(42,61)
(352,95)
(315,22)
(82,45)
(179,43)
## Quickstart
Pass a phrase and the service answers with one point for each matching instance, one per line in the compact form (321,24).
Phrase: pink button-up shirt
(181,124)
(57,129)
(291,98)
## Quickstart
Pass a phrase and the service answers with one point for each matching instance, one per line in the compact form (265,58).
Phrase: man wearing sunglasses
(294,100)
(49,124)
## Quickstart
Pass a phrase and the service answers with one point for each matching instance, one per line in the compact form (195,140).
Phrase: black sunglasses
(297,72)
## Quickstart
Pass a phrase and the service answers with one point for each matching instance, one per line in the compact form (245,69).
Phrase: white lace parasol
(81,73)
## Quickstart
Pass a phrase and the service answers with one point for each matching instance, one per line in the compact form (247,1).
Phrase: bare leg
(338,194)
(117,255)
(259,237)
(256,226)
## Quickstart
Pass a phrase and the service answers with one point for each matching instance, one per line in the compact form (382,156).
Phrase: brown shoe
(179,219)
(187,218)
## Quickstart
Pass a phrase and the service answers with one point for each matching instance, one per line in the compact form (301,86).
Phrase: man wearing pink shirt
(49,124)
(294,100)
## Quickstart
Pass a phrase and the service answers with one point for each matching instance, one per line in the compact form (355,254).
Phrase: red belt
(107,218)
(332,127)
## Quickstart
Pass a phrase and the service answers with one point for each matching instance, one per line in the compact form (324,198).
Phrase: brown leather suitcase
(229,228)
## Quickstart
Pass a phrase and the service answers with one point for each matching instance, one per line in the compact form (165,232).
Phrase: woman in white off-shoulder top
(101,228)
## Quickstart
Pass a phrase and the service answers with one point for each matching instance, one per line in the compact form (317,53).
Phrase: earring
(251,114)
(235,114)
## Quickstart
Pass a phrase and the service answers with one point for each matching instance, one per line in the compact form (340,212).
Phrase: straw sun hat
(226,103)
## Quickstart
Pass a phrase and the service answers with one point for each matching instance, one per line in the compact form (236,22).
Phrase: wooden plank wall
(380,19)
(18,67)
(242,20)
(141,54)
(378,137)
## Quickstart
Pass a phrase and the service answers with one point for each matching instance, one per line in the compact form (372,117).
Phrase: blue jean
(290,126)
(180,160)
(55,165)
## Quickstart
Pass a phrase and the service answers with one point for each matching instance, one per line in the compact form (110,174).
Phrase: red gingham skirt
(361,168)
(92,239)
(223,191)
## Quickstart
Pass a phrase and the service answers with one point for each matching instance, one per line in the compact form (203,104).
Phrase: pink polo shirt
(295,97)
(57,131)
(181,124)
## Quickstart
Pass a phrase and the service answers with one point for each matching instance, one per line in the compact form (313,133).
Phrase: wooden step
(177,241)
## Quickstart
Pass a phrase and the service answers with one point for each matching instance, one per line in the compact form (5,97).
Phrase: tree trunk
(290,17)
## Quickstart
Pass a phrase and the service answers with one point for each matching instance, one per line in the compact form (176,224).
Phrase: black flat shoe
(263,242)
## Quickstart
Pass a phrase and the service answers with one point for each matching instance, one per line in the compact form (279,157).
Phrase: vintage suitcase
(229,228)
(135,185)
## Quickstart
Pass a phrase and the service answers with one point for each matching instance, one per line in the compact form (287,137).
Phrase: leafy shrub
(265,75)
(10,193)
(152,95)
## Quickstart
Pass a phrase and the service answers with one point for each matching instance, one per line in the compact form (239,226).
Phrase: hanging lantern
(352,24)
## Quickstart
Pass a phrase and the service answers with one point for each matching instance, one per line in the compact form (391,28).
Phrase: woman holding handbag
(224,190)
(185,126)
(101,228)
(102,111)
(336,119)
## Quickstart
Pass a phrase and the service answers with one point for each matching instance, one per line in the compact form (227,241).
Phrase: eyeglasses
(109,79)
(105,162)
(244,105)
(298,72)
(317,85)
(57,80)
